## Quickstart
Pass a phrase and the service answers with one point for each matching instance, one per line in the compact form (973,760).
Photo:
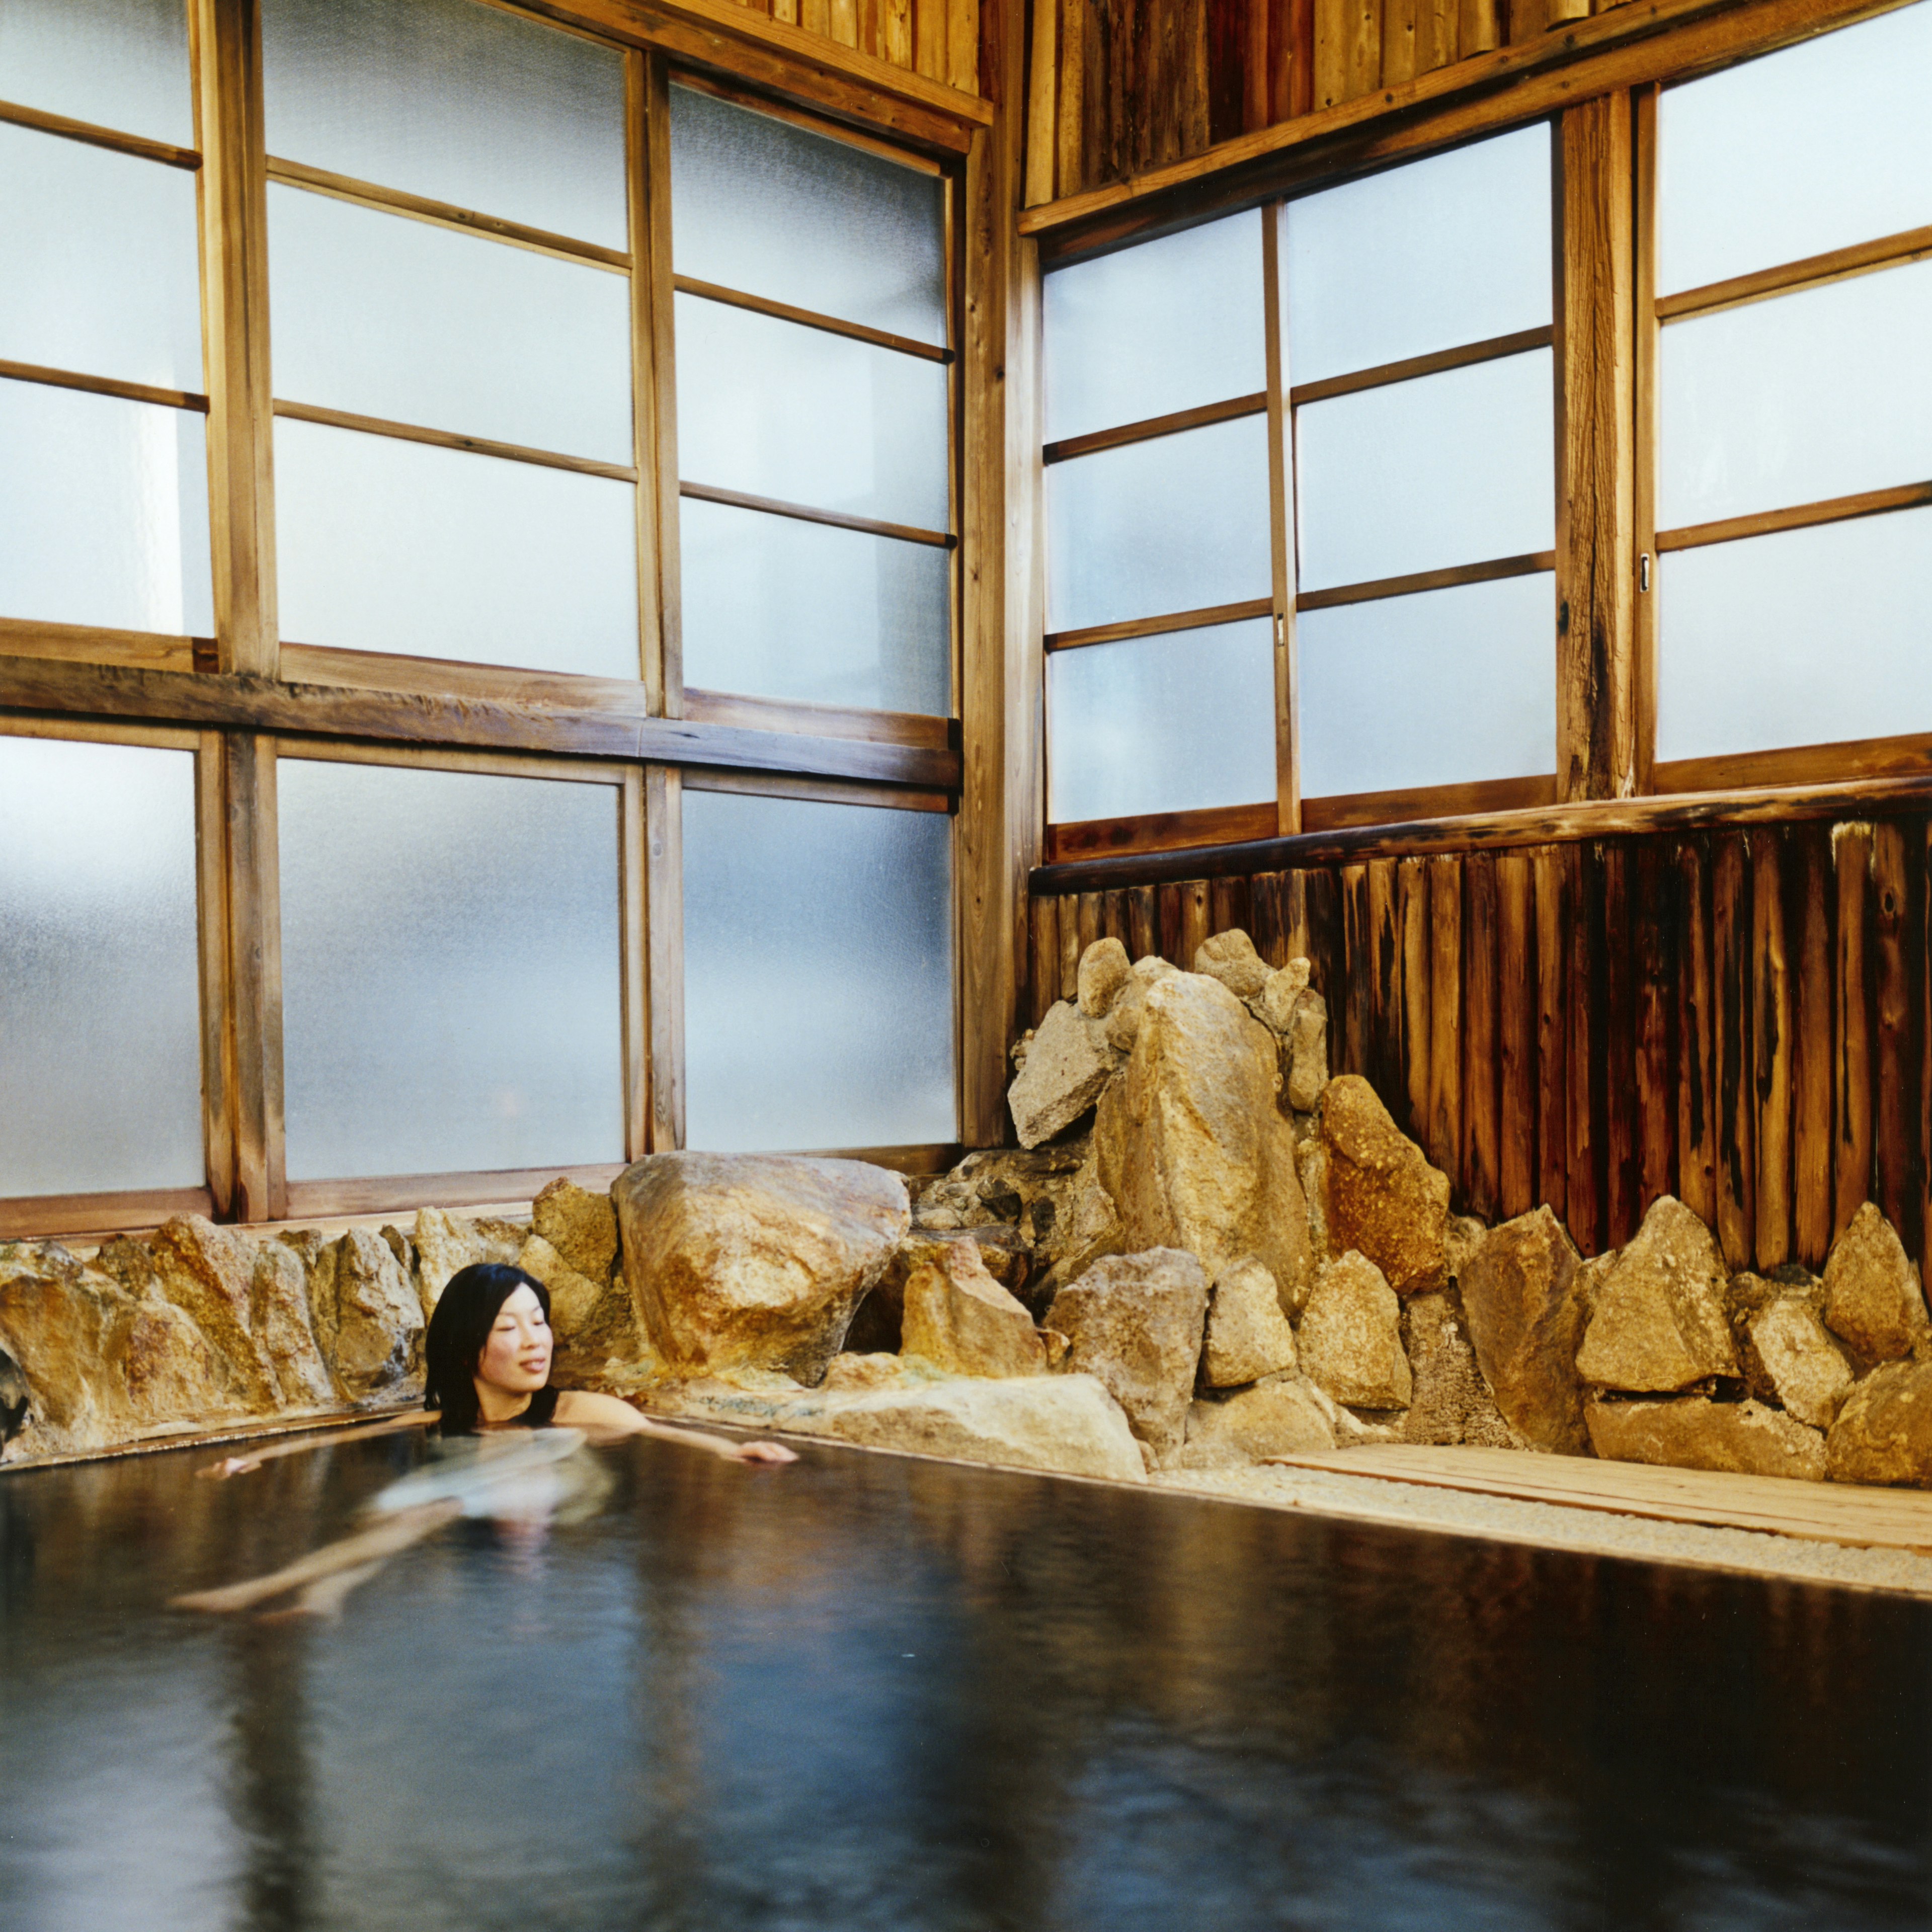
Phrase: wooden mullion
(1149,428)
(1149,627)
(1798,517)
(654,383)
(1281,523)
(633,904)
(664,944)
(18,115)
(839,519)
(1331,597)
(218,1090)
(1888,251)
(1646,442)
(1382,374)
(252,1054)
(102,385)
(807,318)
(444,439)
(32,1217)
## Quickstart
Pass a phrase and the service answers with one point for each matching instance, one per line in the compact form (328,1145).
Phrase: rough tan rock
(1067,1068)
(754,1260)
(284,1328)
(1230,957)
(1691,1433)
(1370,1189)
(1135,1322)
(1281,1415)
(960,1319)
(580,1225)
(1123,1022)
(1883,1433)
(1659,1323)
(1521,1294)
(1804,1365)
(600,1343)
(368,1317)
(1281,993)
(1451,1401)
(447,1243)
(878,1323)
(1086,1227)
(1248,1336)
(1103,973)
(1350,1340)
(850,1375)
(209,1271)
(1068,1423)
(1305,1053)
(1873,1298)
(1192,1149)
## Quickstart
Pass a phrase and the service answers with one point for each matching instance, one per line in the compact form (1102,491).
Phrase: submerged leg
(324,1599)
(372,1545)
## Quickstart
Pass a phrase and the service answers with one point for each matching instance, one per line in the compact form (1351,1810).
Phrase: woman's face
(517,1356)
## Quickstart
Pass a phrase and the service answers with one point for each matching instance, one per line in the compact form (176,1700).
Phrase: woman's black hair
(465,1312)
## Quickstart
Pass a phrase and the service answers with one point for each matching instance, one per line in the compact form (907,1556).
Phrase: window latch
(1643,571)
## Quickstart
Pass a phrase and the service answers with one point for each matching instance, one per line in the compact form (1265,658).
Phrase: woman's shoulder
(585,1408)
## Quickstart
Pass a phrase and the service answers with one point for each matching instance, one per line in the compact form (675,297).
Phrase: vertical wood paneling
(1923,988)
(1809,862)
(1264,909)
(1852,1144)
(1042,957)
(1114,917)
(1296,942)
(1410,1044)
(1194,927)
(1358,963)
(1655,942)
(1622,1135)
(1481,1070)
(1171,935)
(1584,1075)
(1731,984)
(663,950)
(1087,925)
(1143,923)
(1225,909)
(1516,1030)
(1381,1014)
(1696,1082)
(1069,947)
(1444,1137)
(1896,1064)
(1771,1049)
(1552,1031)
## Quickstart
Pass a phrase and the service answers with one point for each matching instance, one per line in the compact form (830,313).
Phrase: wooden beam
(1202,620)
(103,385)
(1797,517)
(1283,562)
(839,520)
(1889,251)
(654,385)
(807,318)
(663,943)
(1159,832)
(1203,416)
(1384,373)
(18,115)
(634,913)
(218,1090)
(1446,579)
(252,1060)
(446,439)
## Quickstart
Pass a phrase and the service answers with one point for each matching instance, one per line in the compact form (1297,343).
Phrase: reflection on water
(865,1692)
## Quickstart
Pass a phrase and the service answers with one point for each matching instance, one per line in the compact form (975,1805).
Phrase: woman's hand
(763,1452)
(232,1465)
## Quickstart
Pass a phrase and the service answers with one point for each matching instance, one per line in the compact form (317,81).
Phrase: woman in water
(486,1372)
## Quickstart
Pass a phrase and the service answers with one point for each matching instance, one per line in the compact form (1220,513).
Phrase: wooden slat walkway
(1860,1518)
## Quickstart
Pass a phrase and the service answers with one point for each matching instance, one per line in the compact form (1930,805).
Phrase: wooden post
(1584,1082)
(219,1084)
(1281,525)
(1696,1051)
(1516,1006)
(1225,910)
(252,1069)
(1851,1146)
(1381,1048)
(1552,1031)
(1294,919)
(1731,983)
(1143,923)
(1771,1048)
(654,382)
(1811,849)
(633,904)
(1042,958)
(1264,912)
(1891,1004)
(1655,939)
(1195,931)
(1069,904)
(1621,1131)
(1480,1069)
(1358,1001)
(1444,1137)
(663,950)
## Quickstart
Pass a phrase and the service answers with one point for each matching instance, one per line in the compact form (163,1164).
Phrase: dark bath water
(868,1692)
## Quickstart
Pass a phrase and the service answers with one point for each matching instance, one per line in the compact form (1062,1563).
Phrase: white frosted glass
(775,409)
(1453,250)
(99,986)
(452,994)
(98,269)
(1447,469)
(1177,523)
(117,63)
(1147,331)
(383,545)
(1178,722)
(385,317)
(1825,393)
(1809,637)
(1446,687)
(772,210)
(1811,149)
(843,1036)
(773,607)
(103,512)
(461,102)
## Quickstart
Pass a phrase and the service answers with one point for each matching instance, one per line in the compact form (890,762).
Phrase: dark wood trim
(1799,517)
(939,1158)
(721,89)
(1890,251)
(1647,423)
(1160,832)
(1175,424)
(86,643)
(1427,579)
(444,439)
(400,1193)
(251,1069)
(103,385)
(634,917)
(1284,558)
(1427,801)
(1149,627)
(28,1216)
(807,318)
(212,955)
(537,691)
(820,721)
(773,506)
(823,791)
(1903,757)
(663,952)
(42,122)
(1411,368)
(654,383)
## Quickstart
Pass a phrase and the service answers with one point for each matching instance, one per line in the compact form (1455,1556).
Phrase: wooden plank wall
(938,38)
(1740,1019)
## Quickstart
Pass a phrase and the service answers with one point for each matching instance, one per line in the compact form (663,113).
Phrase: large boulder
(1281,1415)
(580,1226)
(1371,1189)
(283,1326)
(600,1343)
(210,1272)
(754,1260)
(1350,1340)
(1804,1367)
(368,1317)
(1230,957)
(1134,1322)
(1873,1298)
(1659,1323)
(1521,1291)
(446,1244)
(1304,1053)
(1101,977)
(1067,1065)
(1451,1403)
(1691,1433)
(959,1318)
(1248,1336)
(1130,1006)
(1192,1151)
(1883,1433)
(1276,1004)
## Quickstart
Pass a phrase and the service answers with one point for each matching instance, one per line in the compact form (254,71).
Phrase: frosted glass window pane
(1451,468)
(383,545)
(1177,523)
(1808,637)
(385,317)
(1147,330)
(98,270)
(1174,723)
(451,995)
(849,1044)
(117,63)
(100,986)
(776,409)
(1447,687)
(1453,250)
(1822,393)
(103,512)
(1805,150)
(759,206)
(458,101)
(775,607)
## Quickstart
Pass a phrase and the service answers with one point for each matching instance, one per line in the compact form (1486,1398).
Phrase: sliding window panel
(850,1044)
(1445,687)
(1825,393)
(1446,251)
(121,64)
(776,607)
(1807,637)
(1179,523)
(103,512)
(98,267)
(1179,722)
(99,979)
(1151,330)
(381,316)
(773,409)
(385,545)
(452,100)
(773,210)
(1811,149)
(1452,469)
(452,994)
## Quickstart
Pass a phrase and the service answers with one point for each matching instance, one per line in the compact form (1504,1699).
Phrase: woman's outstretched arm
(605,1414)
(238,1466)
